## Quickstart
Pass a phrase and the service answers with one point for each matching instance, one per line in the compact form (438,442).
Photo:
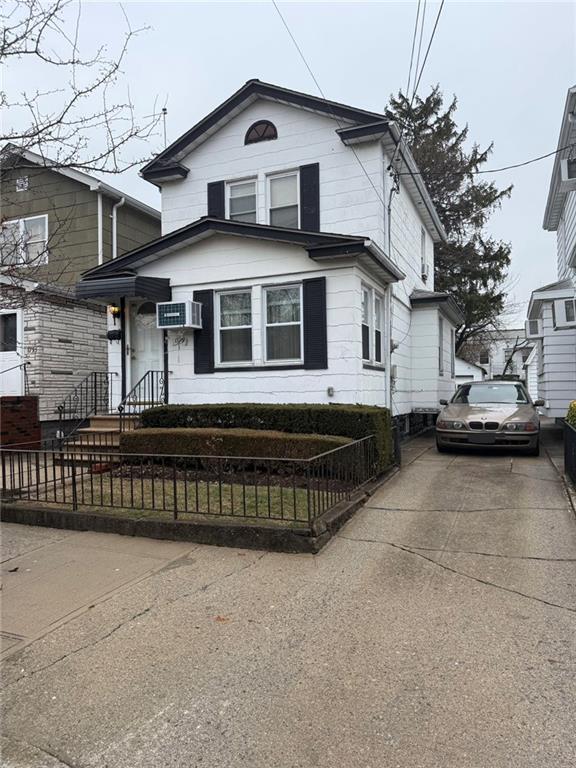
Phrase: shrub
(184,441)
(353,421)
(571,415)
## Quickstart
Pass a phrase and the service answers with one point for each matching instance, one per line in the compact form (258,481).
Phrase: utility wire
(419,44)
(493,170)
(313,76)
(428,49)
(413,46)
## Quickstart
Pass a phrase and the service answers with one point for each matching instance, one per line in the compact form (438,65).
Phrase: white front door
(11,353)
(146,353)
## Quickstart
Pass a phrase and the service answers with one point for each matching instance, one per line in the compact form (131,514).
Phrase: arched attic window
(263,130)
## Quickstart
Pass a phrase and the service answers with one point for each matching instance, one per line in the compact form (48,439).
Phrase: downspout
(100,232)
(115,207)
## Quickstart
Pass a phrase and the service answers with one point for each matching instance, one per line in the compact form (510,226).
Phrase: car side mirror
(443,402)
(539,403)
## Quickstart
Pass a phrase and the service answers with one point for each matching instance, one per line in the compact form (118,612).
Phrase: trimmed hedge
(254,443)
(354,421)
(571,415)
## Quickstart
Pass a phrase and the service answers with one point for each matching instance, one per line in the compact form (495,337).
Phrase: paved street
(438,630)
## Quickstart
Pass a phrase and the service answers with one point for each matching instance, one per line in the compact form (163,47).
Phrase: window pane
(378,313)
(284,217)
(283,191)
(283,305)
(365,342)
(378,347)
(10,250)
(236,345)
(36,253)
(243,190)
(35,229)
(365,307)
(235,309)
(8,333)
(242,204)
(283,342)
(570,316)
(249,218)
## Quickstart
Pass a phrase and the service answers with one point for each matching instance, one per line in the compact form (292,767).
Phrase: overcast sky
(509,63)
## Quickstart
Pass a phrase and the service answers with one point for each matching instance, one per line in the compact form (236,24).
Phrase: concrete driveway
(438,630)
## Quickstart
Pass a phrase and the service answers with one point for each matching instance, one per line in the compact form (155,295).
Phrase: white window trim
(218,363)
(264,321)
(23,262)
(237,182)
(373,293)
(452,353)
(268,198)
(440,345)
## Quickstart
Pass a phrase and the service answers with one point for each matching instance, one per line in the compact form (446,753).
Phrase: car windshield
(508,393)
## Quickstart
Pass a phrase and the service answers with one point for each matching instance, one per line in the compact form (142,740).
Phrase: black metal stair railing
(149,391)
(89,398)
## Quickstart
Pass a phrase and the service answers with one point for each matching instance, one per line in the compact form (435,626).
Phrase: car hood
(489,412)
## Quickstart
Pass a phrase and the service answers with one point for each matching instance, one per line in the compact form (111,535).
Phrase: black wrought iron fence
(150,391)
(89,398)
(295,490)
(570,451)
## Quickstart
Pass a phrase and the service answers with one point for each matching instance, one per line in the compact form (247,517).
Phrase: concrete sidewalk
(438,630)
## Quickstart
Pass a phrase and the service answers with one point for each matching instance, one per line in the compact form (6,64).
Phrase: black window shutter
(204,338)
(216,201)
(310,197)
(314,316)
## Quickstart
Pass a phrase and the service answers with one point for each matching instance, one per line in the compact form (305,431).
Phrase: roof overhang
(444,302)
(113,288)
(319,245)
(14,156)
(246,95)
(557,194)
(563,289)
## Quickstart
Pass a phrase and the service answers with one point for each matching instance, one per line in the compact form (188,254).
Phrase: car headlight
(444,424)
(521,426)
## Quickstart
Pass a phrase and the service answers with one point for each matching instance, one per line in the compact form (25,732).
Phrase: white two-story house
(552,310)
(288,270)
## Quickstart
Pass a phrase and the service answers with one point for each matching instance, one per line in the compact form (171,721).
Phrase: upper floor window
(484,357)
(263,130)
(283,200)
(24,241)
(242,201)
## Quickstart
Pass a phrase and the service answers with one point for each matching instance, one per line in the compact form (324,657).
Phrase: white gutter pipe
(115,207)
(100,233)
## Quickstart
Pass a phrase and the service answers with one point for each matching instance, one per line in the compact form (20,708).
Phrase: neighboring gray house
(551,322)
(56,223)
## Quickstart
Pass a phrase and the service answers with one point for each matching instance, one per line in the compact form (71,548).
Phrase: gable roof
(557,290)
(360,126)
(557,197)
(11,155)
(320,246)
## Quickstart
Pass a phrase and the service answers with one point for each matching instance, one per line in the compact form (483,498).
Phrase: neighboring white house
(466,371)
(275,220)
(507,350)
(552,310)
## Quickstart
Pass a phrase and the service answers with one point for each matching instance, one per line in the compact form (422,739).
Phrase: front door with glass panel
(146,347)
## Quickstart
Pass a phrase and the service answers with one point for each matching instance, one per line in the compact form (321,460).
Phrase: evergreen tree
(471,265)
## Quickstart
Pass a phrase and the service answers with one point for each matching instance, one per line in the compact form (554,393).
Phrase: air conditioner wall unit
(534,329)
(567,175)
(179,314)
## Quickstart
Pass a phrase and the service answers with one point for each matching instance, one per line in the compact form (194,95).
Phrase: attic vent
(22,184)
(263,130)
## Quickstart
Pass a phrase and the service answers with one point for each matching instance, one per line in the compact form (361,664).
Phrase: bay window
(242,201)
(283,323)
(283,200)
(235,326)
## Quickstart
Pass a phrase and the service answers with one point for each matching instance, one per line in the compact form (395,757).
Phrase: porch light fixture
(114,310)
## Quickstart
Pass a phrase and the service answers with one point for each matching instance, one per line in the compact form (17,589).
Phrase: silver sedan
(490,414)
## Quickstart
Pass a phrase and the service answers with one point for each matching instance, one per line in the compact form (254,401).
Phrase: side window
(241,201)
(24,241)
(234,316)
(366,323)
(378,326)
(8,332)
(283,330)
(283,200)
(452,352)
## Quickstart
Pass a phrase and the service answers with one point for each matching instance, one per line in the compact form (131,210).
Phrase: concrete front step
(112,421)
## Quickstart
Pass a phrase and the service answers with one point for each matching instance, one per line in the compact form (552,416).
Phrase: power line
(313,76)
(413,46)
(429,46)
(492,170)
(420,43)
